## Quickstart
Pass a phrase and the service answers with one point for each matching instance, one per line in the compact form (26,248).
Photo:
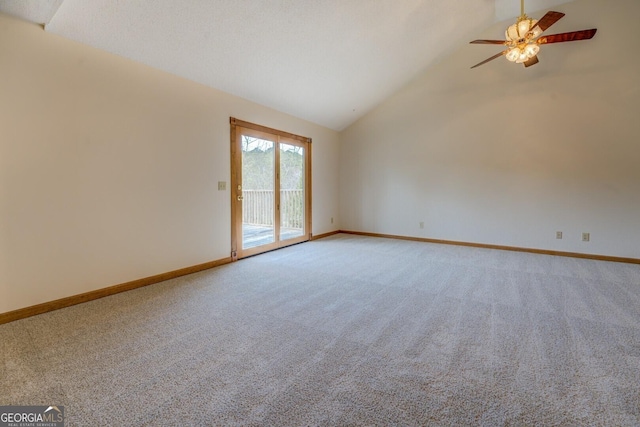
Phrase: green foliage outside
(257,168)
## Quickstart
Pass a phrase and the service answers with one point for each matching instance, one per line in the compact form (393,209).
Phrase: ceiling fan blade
(568,37)
(532,61)
(489,42)
(548,20)
(504,52)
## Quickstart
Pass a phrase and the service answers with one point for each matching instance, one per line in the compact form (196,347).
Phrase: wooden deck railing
(257,208)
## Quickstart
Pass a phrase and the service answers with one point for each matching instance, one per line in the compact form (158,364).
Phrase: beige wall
(506,155)
(109,169)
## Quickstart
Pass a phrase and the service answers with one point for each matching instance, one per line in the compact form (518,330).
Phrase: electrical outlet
(558,234)
(222,185)
(586,237)
(421,224)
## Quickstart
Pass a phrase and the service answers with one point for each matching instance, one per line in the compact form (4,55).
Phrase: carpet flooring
(346,330)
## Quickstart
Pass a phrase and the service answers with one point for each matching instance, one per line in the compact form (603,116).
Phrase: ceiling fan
(523,39)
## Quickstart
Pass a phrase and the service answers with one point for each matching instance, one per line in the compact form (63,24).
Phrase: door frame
(236,178)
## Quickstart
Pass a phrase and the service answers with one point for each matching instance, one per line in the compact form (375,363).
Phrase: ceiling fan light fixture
(521,40)
(523,29)
(522,53)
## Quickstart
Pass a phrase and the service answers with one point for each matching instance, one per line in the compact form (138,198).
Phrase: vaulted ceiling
(326,61)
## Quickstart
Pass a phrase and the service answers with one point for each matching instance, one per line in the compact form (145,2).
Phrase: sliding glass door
(271,200)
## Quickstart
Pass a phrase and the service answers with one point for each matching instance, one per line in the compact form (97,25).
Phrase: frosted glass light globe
(520,29)
(513,54)
(532,50)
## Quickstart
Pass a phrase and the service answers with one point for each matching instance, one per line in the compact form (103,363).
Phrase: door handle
(240,198)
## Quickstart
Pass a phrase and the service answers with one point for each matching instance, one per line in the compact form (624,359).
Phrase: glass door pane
(292,200)
(258,186)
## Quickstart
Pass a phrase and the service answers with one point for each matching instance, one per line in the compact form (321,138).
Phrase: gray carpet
(345,330)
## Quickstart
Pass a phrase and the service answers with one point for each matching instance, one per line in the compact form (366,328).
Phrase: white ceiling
(326,61)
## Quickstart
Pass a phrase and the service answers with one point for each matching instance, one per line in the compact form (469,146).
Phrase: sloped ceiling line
(36,11)
(326,61)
